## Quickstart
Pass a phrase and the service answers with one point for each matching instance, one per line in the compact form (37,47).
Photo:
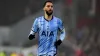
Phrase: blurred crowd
(3,53)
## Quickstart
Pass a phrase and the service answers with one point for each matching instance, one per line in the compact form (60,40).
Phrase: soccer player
(47,27)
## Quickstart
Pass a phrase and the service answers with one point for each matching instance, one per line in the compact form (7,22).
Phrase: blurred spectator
(80,52)
(2,53)
(79,36)
(13,54)
(20,54)
(31,54)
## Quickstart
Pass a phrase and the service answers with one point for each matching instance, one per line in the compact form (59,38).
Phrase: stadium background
(80,17)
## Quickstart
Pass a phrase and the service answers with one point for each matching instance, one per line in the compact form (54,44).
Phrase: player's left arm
(62,32)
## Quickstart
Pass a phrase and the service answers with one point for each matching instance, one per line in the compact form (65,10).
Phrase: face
(48,8)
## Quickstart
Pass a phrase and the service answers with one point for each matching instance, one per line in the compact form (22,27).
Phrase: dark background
(80,18)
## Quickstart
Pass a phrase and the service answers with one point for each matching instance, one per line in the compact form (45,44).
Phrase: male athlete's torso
(47,34)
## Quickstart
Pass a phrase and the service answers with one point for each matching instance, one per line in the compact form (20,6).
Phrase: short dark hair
(47,2)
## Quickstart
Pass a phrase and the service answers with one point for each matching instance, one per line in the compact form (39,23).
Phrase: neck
(48,17)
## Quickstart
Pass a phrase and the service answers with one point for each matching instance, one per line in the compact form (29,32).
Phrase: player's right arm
(34,29)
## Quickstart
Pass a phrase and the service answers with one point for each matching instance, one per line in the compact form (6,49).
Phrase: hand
(57,43)
(31,37)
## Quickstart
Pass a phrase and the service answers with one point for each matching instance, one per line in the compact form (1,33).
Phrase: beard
(49,13)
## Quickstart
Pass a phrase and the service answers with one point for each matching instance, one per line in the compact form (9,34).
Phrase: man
(47,27)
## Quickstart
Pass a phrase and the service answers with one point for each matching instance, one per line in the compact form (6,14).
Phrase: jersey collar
(48,20)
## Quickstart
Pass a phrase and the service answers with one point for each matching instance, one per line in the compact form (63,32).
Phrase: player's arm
(62,33)
(34,29)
